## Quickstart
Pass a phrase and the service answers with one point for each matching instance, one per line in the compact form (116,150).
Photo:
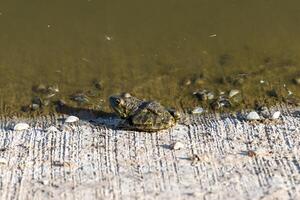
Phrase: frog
(142,115)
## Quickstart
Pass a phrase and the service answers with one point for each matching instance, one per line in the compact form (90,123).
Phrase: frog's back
(151,116)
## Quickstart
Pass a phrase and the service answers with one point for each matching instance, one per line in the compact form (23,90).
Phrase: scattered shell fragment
(71,119)
(253,116)
(53,88)
(3,161)
(21,127)
(233,93)
(198,110)
(276,115)
(177,146)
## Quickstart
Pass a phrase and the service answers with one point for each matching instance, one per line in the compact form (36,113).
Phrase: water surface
(149,48)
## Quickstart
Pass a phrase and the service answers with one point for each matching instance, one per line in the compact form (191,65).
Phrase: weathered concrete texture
(92,161)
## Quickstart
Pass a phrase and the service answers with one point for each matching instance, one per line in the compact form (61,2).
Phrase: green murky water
(153,49)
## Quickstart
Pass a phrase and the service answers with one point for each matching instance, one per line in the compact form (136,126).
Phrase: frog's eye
(119,101)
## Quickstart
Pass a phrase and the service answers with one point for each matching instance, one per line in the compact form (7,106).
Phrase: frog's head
(123,104)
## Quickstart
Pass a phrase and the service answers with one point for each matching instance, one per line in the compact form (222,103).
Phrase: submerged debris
(53,89)
(233,93)
(204,95)
(80,98)
(21,127)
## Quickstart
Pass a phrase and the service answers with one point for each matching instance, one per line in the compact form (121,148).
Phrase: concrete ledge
(91,160)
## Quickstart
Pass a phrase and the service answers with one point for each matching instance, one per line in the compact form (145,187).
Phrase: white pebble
(276,115)
(233,93)
(253,116)
(71,119)
(21,127)
(177,146)
(198,110)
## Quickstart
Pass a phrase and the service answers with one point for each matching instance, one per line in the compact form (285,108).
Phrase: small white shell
(233,93)
(21,127)
(52,129)
(253,116)
(71,119)
(276,115)
(177,146)
(198,110)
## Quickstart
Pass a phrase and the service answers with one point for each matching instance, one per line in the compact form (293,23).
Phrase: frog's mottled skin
(142,115)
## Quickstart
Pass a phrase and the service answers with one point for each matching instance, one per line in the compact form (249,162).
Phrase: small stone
(233,93)
(199,81)
(225,103)
(238,81)
(71,119)
(34,106)
(251,153)
(198,110)
(276,115)
(41,88)
(253,116)
(177,146)
(272,93)
(21,127)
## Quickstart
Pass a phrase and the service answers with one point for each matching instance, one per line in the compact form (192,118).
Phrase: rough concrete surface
(224,157)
